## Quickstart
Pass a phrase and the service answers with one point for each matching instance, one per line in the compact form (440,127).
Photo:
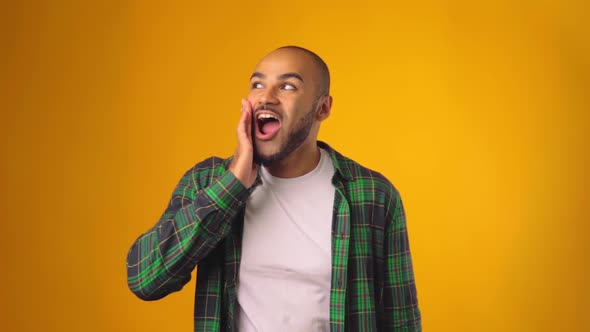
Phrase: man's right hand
(243,166)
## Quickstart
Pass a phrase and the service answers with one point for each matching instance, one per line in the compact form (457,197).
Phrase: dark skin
(289,81)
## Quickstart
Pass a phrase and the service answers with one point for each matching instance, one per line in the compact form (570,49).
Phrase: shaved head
(321,67)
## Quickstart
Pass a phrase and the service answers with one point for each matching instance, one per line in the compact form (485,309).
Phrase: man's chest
(288,231)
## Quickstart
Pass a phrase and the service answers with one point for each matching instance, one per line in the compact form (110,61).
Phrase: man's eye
(256,85)
(288,86)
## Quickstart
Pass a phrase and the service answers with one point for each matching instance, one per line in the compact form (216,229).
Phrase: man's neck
(300,162)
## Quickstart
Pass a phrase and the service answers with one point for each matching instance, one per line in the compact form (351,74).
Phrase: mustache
(267,107)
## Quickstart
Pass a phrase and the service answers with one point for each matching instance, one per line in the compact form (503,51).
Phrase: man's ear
(325,108)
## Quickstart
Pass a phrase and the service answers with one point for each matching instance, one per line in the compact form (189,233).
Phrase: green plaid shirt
(373,285)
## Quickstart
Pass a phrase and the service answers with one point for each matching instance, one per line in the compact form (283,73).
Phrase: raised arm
(162,259)
(200,214)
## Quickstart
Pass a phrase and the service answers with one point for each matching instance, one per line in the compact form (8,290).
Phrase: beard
(294,139)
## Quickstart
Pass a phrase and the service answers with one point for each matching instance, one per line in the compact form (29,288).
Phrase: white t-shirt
(285,269)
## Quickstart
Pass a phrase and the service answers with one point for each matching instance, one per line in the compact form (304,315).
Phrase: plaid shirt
(373,285)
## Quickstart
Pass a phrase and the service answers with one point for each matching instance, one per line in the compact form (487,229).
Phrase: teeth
(266,116)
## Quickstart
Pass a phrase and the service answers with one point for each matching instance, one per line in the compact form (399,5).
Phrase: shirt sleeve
(401,312)
(161,260)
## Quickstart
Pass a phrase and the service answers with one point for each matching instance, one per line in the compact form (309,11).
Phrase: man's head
(289,92)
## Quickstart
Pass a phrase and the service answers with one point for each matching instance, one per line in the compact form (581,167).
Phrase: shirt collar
(338,160)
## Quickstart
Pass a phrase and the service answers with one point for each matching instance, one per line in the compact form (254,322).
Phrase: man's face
(283,94)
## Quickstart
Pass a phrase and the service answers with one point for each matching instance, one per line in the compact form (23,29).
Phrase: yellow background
(476,110)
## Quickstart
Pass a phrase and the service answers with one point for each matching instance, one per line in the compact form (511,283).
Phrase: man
(288,234)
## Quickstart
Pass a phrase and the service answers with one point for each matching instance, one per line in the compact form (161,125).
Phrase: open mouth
(267,125)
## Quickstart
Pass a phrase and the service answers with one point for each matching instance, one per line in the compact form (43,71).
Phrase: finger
(242,123)
(249,124)
(247,107)
(244,104)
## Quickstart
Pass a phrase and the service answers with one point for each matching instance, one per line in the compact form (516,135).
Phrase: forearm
(161,260)
(401,311)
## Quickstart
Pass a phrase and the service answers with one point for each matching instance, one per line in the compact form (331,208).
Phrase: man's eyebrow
(289,75)
(281,77)
(257,74)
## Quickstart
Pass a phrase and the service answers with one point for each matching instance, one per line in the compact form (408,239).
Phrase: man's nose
(267,97)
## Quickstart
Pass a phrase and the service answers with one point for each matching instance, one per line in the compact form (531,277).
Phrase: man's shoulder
(358,176)
(363,177)
(360,172)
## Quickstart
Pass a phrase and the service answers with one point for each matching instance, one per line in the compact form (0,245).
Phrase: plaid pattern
(373,285)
